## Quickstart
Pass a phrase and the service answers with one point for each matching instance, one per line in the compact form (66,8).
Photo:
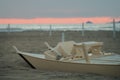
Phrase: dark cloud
(58,8)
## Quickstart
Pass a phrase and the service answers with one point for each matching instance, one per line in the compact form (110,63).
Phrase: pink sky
(56,20)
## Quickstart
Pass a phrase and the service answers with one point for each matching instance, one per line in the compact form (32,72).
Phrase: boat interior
(85,52)
(70,51)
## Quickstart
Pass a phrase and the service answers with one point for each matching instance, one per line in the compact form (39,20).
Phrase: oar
(53,49)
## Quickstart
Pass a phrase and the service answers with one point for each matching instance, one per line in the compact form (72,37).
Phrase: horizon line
(74,20)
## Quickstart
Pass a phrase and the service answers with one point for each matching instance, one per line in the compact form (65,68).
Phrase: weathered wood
(50,31)
(52,49)
(114,31)
(63,36)
(86,53)
(83,31)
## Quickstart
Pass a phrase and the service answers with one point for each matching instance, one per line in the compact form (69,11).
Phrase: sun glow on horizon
(79,20)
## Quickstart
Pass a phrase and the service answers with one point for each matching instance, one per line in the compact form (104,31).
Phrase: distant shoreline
(58,27)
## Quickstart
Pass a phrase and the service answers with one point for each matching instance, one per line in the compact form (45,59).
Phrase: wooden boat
(81,61)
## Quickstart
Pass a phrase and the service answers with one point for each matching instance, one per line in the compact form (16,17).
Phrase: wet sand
(13,67)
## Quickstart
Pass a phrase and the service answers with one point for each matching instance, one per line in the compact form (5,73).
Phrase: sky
(58,11)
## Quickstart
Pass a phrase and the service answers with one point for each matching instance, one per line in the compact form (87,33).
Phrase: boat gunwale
(69,61)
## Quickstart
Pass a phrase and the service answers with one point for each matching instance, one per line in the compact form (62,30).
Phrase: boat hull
(51,65)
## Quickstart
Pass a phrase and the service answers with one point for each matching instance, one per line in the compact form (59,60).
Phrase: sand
(13,67)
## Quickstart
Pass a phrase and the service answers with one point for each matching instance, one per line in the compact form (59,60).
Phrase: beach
(13,67)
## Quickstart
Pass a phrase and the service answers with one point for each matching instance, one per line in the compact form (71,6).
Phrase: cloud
(56,20)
